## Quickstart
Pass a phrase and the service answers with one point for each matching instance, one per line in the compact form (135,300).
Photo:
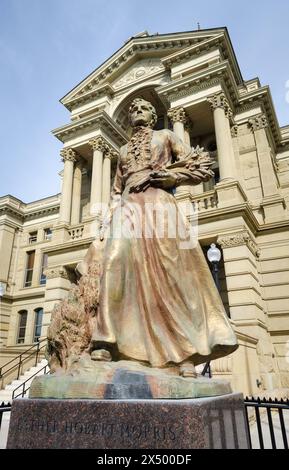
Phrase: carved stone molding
(219,100)
(177,115)
(239,239)
(258,122)
(69,155)
(111,154)
(235,131)
(98,143)
(56,272)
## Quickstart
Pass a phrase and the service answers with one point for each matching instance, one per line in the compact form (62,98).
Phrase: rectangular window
(29,268)
(47,234)
(38,324)
(43,267)
(32,237)
(22,327)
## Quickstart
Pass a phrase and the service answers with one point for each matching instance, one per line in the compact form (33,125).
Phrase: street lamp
(214,256)
(2,289)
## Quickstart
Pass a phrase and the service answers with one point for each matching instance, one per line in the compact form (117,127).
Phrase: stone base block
(206,423)
(124,380)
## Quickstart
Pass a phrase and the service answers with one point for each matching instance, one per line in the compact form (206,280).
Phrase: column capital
(98,143)
(56,272)
(258,122)
(239,239)
(235,130)
(111,154)
(219,100)
(68,154)
(177,115)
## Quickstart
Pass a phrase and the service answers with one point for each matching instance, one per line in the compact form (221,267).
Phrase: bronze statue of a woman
(158,304)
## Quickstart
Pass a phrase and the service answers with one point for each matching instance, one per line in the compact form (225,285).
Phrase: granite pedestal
(203,423)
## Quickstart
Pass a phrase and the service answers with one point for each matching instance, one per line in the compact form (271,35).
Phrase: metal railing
(4,408)
(22,386)
(271,406)
(17,362)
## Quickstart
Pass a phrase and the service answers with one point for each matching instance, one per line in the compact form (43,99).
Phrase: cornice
(201,80)
(186,53)
(100,120)
(23,215)
(37,213)
(94,92)
(262,96)
(17,214)
(205,46)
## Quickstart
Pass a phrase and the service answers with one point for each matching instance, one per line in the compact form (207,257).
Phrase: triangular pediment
(139,57)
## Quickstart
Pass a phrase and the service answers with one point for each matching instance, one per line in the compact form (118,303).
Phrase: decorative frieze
(56,272)
(177,115)
(68,154)
(219,100)
(239,239)
(258,122)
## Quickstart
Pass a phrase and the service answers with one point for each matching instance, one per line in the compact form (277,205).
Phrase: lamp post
(214,256)
(2,289)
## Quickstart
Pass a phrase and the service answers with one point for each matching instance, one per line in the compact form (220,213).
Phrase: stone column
(106,180)
(222,115)
(179,118)
(181,124)
(188,126)
(69,158)
(76,194)
(99,147)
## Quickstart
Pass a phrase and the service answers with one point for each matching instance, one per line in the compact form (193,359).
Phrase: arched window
(22,326)
(37,324)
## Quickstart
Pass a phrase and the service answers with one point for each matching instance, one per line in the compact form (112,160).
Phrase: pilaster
(273,203)
(57,288)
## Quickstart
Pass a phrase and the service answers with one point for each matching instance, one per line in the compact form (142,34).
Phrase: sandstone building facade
(194,81)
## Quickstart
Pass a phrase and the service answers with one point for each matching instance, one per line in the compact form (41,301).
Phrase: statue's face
(140,114)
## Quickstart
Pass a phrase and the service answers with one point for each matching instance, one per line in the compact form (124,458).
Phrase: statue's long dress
(158,302)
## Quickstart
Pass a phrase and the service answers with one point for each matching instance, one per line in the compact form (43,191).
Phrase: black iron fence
(270,419)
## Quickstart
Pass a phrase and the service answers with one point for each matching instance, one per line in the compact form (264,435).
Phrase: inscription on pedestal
(217,422)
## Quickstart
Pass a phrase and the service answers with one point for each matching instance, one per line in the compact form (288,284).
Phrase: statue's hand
(202,175)
(163,179)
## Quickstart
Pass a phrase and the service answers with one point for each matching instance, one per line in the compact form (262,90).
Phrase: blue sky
(48,46)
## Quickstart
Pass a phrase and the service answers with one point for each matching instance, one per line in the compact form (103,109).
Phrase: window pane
(43,267)
(29,269)
(47,234)
(33,237)
(22,326)
(38,323)
(30,259)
